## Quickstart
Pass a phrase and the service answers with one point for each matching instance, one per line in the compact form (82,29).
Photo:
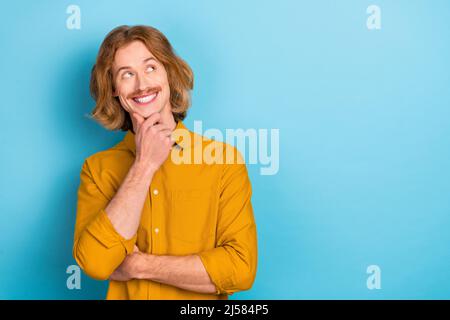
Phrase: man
(156,227)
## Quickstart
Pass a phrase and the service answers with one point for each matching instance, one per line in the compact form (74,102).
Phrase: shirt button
(156,230)
(155,192)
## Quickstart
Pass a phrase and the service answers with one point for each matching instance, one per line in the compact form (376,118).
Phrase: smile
(145,99)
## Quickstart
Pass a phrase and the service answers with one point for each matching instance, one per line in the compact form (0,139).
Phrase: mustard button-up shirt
(191,208)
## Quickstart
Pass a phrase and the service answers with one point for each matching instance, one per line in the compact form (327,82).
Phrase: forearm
(124,209)
(185,272)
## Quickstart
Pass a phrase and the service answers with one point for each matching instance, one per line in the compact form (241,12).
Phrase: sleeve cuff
(213,260)
(102,229)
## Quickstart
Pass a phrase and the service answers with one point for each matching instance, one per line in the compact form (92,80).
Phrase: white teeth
(145,99)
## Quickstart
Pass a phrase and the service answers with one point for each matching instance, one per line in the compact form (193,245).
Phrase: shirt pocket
(192,218)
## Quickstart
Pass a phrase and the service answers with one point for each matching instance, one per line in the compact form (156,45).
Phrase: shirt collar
(130,142)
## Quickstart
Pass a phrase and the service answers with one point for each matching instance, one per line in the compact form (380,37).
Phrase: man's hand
(185,272)
(129,268)
(153,140)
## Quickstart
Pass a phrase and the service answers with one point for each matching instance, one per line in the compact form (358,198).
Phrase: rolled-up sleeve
(98,248)
(232,264)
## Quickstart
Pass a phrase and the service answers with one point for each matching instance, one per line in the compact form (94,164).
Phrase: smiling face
(140,80)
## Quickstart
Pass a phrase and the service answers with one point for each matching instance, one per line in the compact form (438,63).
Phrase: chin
(148,113)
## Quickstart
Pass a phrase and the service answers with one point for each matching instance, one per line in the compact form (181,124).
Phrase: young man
(158,228)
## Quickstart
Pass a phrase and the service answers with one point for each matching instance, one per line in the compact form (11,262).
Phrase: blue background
(364,136)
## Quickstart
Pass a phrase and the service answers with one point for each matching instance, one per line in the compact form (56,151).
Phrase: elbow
(245,265)
(245,276)
(245,280)
(91,265)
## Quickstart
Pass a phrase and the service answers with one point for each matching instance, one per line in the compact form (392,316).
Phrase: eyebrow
(127,67)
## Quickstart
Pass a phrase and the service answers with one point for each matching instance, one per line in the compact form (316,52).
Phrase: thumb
(136,249)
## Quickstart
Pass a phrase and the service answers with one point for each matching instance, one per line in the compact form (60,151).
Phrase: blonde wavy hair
(108,111)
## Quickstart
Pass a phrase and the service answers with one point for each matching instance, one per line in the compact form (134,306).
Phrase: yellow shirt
(199,208)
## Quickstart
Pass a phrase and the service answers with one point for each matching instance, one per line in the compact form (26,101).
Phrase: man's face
(140,80)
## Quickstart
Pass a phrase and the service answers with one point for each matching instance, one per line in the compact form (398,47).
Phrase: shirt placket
(157,205)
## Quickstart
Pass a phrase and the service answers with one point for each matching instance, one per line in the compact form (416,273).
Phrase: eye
(150,68)
(127,75)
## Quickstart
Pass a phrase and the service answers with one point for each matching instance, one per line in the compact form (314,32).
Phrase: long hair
(108,110)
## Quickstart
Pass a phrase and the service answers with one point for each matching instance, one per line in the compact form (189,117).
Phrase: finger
(136,249)
(150,121)
(164,131)
(167,133)
(167,139)
(160,126)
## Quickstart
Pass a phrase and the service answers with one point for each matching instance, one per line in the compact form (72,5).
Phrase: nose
(142,82)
